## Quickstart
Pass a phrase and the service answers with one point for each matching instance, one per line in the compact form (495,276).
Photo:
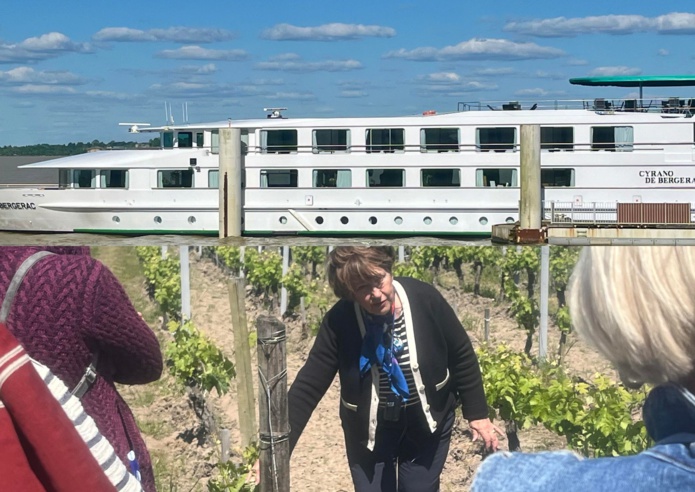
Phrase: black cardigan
(445,359)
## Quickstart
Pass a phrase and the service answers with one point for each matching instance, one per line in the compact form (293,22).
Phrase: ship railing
(619,213)
(656,104)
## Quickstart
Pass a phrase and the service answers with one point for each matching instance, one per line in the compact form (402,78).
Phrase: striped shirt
(404,362)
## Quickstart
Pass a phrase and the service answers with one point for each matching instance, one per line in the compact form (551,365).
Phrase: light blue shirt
(669,415)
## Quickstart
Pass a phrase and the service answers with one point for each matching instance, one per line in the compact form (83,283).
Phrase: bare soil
(183,462)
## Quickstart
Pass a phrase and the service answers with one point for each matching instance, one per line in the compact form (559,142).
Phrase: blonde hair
(351,266)
(636,305)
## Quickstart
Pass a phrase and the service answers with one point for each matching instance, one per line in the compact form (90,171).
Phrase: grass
(124,263)
(154,428)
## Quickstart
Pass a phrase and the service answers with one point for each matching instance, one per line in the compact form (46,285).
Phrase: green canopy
(637,81)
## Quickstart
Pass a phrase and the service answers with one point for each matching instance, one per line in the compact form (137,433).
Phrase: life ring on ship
(429,112)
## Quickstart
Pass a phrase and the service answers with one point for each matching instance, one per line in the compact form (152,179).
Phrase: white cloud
(494,71)
(614,71)
(207,69)
(285,57)
(42,47)
(541,74)
(663,52)
(673,23)
(197,53)
(27,75)
(298,65)
(479,49)
(352,93)
(172,34)
(295,96)
(43,89)
(443,77)
(327,32)
(577,62)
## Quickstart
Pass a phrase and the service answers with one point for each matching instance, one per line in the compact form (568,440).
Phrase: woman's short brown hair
(350,267)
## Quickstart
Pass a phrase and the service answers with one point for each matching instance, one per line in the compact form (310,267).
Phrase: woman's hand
(254,475)
(486,430)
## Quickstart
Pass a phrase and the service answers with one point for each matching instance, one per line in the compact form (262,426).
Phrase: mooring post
(230,182)
(530,182)
(242,353)
(272,405)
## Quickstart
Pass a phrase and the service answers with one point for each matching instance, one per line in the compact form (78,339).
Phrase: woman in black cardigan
(404,361)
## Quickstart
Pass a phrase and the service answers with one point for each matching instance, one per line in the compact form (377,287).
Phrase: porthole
(319,220)
(483,220)
(344,220)
(510,220)
(453,221)
(158,219)
(191,220)
(427,220)
(116,219)
(283,220)
(372,220)
(398,220)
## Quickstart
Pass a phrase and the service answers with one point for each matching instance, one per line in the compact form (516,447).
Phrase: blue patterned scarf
(377,348)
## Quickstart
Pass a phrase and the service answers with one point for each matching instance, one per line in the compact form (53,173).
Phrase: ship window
(555,138)
(215,141)
(214,179)
(331,141)
(498,139)
(612,138)
(495,178)
(385,140)
(439,140)
(175,178)
(440,177)
(278,141)
(84,178)
(557,177)
(278,178)
(199,139)
(114,178)
(185,139)
(379,178)
(168,140)
(332,178)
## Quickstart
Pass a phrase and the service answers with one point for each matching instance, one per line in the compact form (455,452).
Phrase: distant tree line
(74,148)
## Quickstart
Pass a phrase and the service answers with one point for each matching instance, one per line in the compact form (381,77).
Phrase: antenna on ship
(168,115)
(184,110)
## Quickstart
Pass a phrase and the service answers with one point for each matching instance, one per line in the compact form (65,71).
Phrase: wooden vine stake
(272,401)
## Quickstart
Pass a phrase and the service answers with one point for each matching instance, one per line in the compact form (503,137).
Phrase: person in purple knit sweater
(71,311)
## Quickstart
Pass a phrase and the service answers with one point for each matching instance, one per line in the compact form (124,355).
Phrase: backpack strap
(17,281)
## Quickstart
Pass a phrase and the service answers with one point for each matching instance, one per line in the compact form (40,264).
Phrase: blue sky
(72,70)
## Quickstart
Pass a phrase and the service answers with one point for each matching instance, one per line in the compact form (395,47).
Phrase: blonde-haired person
(404,362)
(636,305)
